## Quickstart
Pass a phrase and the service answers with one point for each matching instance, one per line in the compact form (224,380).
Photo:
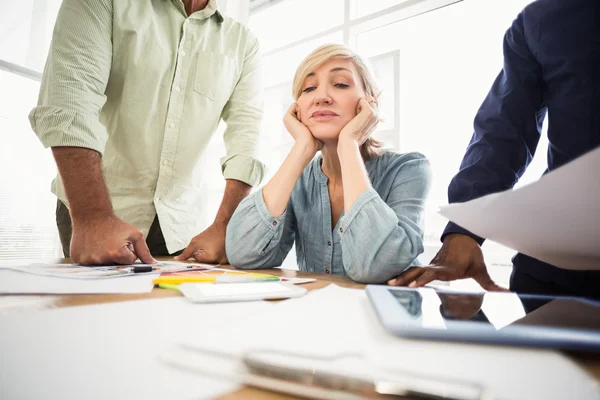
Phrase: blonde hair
(371,148)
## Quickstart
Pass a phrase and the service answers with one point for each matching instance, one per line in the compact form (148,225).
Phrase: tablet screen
(496,310)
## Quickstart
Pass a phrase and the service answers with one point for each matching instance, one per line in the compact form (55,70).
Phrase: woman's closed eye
(337,85)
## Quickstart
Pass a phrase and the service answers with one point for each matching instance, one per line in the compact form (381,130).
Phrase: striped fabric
(380,236)
(146,86)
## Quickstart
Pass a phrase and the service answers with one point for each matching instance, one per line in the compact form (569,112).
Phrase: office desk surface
(589,362)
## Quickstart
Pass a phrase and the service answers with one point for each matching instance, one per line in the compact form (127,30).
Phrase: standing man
(551,66)
(131,94)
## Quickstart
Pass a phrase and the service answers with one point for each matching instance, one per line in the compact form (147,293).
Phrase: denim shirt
(379,237)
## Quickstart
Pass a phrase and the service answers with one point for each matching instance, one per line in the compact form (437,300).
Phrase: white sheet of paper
(338,321)
(16,282)
(556,219)
(109,351)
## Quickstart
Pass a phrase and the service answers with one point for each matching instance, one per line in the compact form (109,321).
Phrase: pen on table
(145,268)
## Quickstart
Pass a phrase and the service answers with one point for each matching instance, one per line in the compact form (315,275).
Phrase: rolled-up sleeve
(256,239)
(243,116)
(380,239)
(75,77)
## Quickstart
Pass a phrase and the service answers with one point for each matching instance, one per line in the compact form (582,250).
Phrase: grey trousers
(155,239)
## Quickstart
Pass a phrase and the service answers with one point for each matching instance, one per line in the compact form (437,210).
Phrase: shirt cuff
(273,223)
(364,198)
(58,127)
(243,168)
(453,228)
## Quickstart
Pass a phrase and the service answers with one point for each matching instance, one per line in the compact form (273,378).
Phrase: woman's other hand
(363,125)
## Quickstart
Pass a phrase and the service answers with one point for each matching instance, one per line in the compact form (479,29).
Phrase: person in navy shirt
(551,68)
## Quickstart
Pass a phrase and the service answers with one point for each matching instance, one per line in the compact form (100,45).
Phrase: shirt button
(274,223)
(165,162)
(172,125)
(328,243)
(341,230)
(182,53)
(177,89)
(327,271)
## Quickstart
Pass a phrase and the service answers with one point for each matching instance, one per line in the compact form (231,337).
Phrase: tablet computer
(220,292)
(491,317)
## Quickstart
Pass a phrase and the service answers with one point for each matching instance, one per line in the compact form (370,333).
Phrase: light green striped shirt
(146,86)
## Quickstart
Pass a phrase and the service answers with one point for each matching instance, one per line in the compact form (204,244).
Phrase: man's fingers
(141,250)
(407,276)
(124,257)
(488,284)
(83,260)
(425,278)
(187,253)
(203,257)
(482,276)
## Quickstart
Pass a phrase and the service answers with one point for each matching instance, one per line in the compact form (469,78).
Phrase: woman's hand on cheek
(301,134)
(364,123)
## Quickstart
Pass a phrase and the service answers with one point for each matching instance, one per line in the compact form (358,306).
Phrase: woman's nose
(322,98)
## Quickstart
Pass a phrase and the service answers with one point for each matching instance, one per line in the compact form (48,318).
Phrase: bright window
(361,8)
(435,61)
(290,20)
(27,207)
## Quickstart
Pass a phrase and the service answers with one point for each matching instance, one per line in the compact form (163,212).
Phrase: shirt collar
(317,169)
(212,8)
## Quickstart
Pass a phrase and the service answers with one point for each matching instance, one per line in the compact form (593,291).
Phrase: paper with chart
(556,219)
(78,271)
(16,282)
(77,279)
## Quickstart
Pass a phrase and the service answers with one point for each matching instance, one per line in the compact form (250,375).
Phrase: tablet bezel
(396,321)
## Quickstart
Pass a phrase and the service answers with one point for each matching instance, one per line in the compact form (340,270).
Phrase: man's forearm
(81,173)
(235,192)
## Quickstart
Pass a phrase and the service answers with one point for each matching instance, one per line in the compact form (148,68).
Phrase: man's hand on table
(108,240)
(208,246)
(460,257)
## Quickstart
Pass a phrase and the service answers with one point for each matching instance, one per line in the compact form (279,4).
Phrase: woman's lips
(324,115)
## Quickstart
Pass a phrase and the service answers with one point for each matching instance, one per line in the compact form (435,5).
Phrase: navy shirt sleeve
(507,125)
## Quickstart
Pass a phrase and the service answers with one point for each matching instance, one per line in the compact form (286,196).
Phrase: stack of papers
(78,271)
(17,282)
(77,279)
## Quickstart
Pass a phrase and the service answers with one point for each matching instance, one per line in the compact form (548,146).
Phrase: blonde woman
(354,209)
